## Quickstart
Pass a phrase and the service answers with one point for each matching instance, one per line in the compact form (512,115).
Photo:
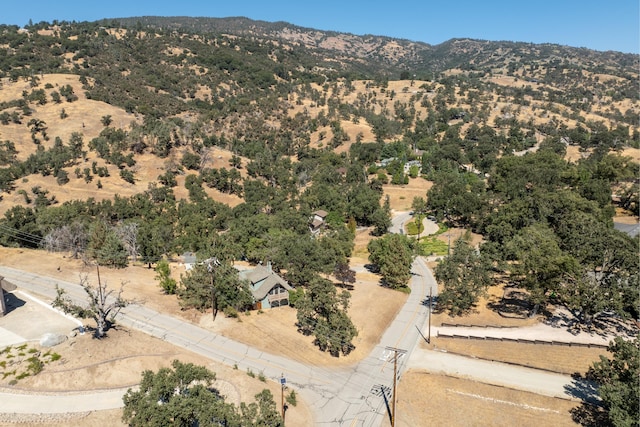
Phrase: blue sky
(595,24)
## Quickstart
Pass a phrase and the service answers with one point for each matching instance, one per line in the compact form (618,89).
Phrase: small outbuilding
(317,221)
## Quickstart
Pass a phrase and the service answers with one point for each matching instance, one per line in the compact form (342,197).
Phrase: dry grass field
(436,400)
(119,360)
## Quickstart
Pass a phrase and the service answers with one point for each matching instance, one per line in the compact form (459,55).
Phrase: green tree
(419,206)
(106,120)
(112,252)
(465,277)
(393,255)
(182,396)
(213,285)
(609,266)
(618,384)
(163,275)
(541,266)
(323,313)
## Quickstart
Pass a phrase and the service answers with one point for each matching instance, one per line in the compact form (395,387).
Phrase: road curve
(339,397)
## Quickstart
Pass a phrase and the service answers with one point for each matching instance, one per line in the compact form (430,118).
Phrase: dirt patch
(401,196)
(452,234)
(435,400)
(556,358)
(141,285)
(119,360)
(486,313)
(278,325)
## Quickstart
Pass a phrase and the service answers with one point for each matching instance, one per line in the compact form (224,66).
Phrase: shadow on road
(590,413)
(12,302)
(583,389)
(385,392)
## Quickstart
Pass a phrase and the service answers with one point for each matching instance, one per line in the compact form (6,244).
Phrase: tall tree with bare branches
(103,304)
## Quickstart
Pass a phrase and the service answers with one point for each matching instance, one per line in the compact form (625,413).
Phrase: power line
(38,241)
(323,329)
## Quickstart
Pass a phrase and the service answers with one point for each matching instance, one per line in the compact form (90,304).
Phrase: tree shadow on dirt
(514,304)
(616,324)
(604,325)
(346,286)
(562,319)
(372,268)
(590,413)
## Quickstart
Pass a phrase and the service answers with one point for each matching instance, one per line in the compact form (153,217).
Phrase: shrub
(163,274)
(127,175)
(230,312)
(292,398)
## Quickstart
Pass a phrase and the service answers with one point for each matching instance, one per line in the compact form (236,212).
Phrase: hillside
(292,88)
(131,141)
(255,118)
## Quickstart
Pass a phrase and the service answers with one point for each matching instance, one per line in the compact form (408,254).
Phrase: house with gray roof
(317,221)
(269,290)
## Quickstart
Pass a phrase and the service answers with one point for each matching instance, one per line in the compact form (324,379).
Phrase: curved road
(346,396)
(353,396)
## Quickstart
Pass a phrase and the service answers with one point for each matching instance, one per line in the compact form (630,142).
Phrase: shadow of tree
(561,319)
(607,322)
(513,304)
(346,286)
(372,268)
(590,413)
(584,389)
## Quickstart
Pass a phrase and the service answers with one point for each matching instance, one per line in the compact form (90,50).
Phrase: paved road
(61,403)
(340,397)
(515,377)
(352,396)
(631,229)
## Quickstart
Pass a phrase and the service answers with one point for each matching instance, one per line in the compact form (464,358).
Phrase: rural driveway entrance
(343,397)
(28,319)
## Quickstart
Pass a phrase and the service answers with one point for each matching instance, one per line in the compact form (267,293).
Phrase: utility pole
(430,309)
(283,382)
(396,352)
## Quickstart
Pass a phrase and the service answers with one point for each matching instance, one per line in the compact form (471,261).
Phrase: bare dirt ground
(85,117)
(119,360)
(86,364)
(437,400)
(401,196)
(424,399)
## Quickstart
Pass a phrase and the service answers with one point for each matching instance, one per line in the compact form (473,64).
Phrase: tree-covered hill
(223,136)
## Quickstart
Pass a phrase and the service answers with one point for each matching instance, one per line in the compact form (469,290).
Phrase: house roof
(321,213)
(269,281)
(189,257)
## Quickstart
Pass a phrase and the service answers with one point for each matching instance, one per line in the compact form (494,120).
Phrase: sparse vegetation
(24,360)
(299,137)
